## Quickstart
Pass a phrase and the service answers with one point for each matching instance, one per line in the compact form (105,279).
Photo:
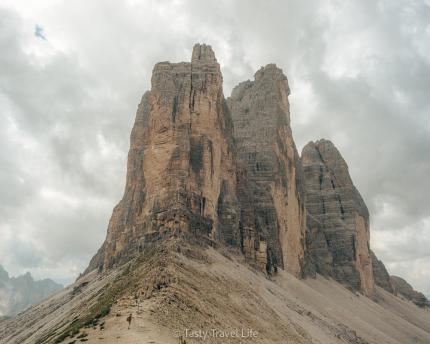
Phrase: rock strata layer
(181,172)
(337,218)
(273,221)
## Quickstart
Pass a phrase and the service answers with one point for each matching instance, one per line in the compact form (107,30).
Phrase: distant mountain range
(18,293)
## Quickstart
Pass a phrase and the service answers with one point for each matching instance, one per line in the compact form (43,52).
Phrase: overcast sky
(72,74)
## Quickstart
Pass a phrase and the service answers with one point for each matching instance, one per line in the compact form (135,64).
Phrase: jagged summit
(183,168)
(338,219)
(325,145)
(271,70)
(271,191)
(203,52)
(181,164)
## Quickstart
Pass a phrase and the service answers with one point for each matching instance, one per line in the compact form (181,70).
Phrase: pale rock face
(181,172)
(338,219)
(270,187)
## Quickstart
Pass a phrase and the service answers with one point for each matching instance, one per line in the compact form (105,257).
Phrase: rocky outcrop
(18,293)
(380,274)
(405,290)
(229,172)
(272,221)
(396,285)
(337,218)
(191,178)
(186,175)
(181,172)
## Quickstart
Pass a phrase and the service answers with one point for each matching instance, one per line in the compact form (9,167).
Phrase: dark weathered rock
(181,172)
(337,218)
(380,274)
(404,289)
(269,187)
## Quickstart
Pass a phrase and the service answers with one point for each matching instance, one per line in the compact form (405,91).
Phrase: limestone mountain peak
(271,191)
(228,172)
(270,70)
(338,219)
(220,220)
(325,152)
(203,52)
(181,168)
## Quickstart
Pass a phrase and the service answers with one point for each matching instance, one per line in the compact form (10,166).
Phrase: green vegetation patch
(109,294)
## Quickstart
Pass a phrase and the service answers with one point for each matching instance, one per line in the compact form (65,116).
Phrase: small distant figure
(182,340)
(129,320)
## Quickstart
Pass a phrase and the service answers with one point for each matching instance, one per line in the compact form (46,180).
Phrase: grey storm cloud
(359,72)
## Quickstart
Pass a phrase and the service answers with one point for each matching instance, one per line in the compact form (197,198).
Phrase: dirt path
(142,328)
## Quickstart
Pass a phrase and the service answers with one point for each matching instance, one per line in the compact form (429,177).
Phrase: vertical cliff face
(269,188)
(181,172)
(338,219)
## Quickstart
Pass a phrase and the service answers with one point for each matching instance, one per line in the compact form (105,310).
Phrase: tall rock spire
(203,53)
(181,171)
(270,187)
(338,218)
(229,171)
